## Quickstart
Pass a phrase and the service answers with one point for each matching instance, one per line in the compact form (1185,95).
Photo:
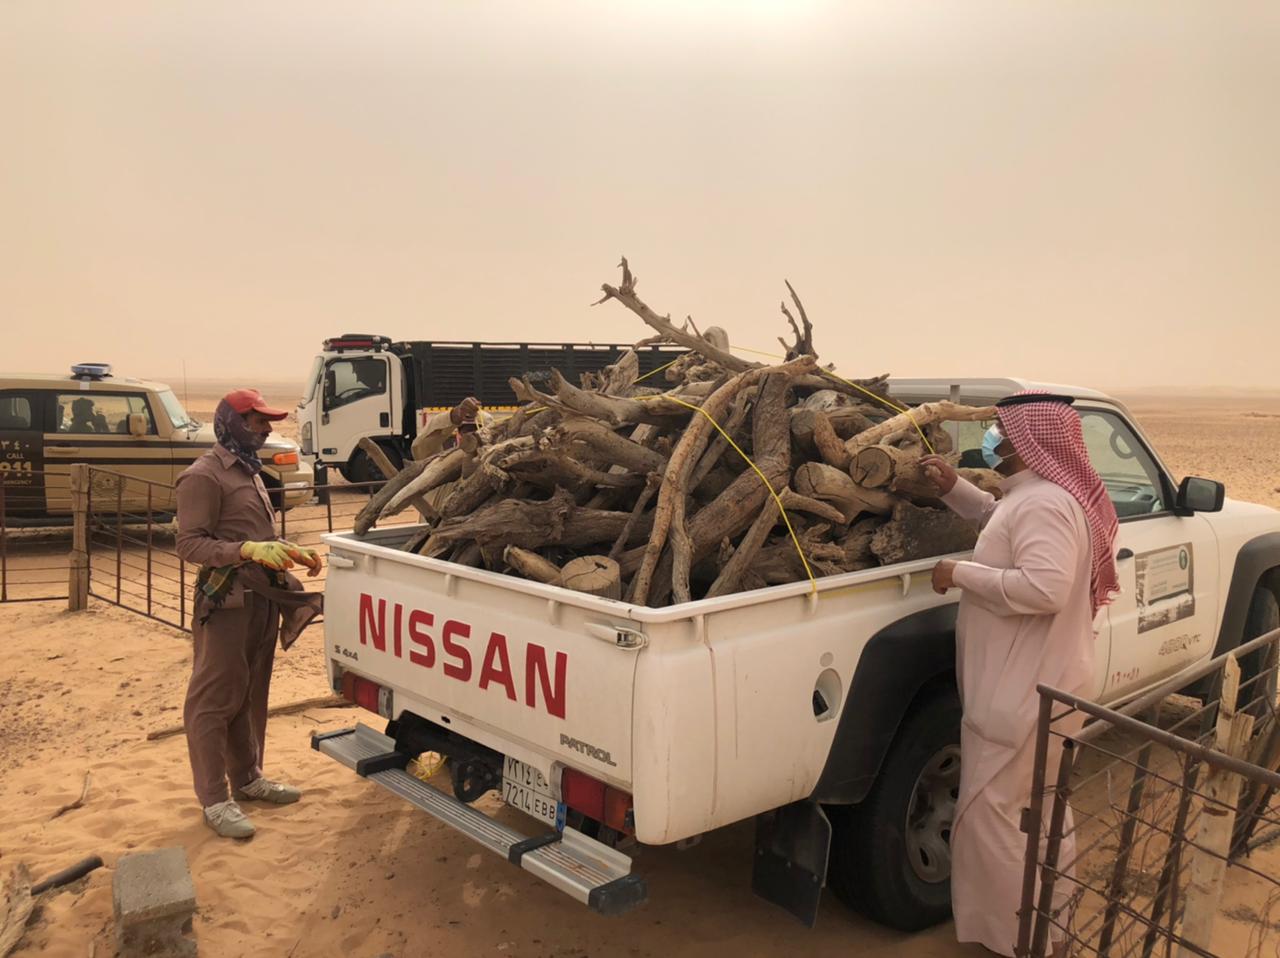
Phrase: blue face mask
(990,441)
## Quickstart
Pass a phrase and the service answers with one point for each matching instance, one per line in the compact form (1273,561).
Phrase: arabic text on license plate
(525,788)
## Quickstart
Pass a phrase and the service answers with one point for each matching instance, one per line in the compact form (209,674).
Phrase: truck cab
(356,389)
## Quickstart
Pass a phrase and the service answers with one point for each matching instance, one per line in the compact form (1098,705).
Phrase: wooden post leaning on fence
(1213,836)
(78,568)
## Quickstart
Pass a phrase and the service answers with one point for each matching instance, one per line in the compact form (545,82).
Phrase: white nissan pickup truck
(830,717)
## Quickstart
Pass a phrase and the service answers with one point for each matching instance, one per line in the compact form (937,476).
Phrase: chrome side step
(581,867)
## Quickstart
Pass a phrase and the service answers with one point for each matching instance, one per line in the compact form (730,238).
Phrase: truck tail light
(366,694)
(285,458)
(597,800)
(617,811)
(582,793)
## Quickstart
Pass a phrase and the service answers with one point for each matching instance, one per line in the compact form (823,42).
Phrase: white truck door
(357,399)
(1165,617)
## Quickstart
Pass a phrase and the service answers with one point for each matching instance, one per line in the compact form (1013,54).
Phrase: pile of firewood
(730,475)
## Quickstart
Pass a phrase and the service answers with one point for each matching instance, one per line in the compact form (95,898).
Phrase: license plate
(525,788)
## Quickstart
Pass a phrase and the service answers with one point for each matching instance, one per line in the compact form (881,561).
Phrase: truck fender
(896,664)
(1255,560)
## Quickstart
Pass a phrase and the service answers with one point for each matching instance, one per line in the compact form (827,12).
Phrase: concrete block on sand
(154,903)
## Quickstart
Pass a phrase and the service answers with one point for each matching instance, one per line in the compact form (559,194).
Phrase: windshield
(312,378)
(174,408)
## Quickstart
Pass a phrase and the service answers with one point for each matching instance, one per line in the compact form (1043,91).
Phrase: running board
(581,867)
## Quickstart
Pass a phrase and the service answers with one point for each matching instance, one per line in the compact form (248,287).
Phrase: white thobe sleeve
(433,435)
(1045,543)
(969,502)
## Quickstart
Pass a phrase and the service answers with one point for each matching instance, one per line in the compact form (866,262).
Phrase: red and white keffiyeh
(1049,438)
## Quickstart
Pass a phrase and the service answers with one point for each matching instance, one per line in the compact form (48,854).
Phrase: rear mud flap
(793,844)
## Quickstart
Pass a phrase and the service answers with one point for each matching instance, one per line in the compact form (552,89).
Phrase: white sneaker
(227,820)
(265,790)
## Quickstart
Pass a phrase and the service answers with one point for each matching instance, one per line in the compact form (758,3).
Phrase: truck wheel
(360,468)
(891,855)
(1260,693)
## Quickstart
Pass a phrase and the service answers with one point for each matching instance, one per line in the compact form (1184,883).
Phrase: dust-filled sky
(1081,192)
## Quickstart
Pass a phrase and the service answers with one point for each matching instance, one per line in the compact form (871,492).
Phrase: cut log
(792,501)
(856,544)
(618,379)
(531,565)
(732,427)
(532,524)
(446,467)
(876,466)
(594,575)
(468,494)
(642,502)
(919,417)
(828,484)
(916,532)
(600,442)
(827,442)
(368,515)
(733,571)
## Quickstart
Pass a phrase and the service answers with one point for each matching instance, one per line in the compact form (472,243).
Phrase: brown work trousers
(225,714)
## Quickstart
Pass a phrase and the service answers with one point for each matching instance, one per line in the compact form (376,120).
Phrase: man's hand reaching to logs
(465,411)
(940,472)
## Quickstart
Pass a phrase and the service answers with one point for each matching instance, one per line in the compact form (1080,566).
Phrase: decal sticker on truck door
(1165,586)
(21,455)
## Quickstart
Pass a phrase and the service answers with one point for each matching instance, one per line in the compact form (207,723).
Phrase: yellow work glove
(303,556)
(273,555)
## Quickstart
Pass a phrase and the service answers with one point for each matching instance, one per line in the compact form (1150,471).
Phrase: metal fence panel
(33,548)
(1151,805)
(132,542)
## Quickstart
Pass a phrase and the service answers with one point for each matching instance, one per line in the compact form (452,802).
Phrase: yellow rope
(813,582)
(652,372)
(862,389)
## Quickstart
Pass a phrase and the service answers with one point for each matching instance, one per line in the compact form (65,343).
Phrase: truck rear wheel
(360,468)
(890,855)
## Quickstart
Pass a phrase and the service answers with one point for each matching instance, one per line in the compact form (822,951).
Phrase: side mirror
(137,424)
(1200,495)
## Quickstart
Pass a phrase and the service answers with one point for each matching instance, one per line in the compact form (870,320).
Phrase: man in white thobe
(1042,566)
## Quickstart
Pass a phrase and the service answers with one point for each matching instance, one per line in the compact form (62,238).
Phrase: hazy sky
(1083,192)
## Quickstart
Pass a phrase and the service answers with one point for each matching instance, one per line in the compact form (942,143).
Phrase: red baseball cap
(244,400)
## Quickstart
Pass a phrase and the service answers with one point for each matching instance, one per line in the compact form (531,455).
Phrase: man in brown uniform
(226,525)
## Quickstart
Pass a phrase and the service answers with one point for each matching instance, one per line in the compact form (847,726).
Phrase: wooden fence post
(1213,838)
(78,574)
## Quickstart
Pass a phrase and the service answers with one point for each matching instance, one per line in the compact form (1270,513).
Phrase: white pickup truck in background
(832,718)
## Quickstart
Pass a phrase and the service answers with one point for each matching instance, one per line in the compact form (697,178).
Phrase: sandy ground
(353,871)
